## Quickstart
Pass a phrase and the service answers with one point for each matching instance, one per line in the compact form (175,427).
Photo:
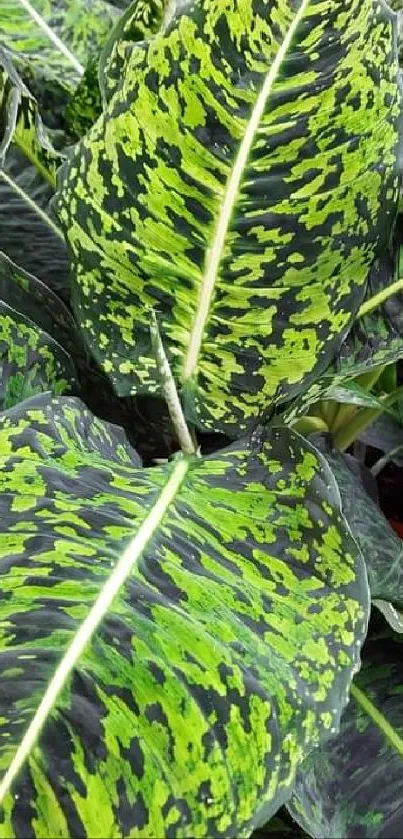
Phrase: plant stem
(377,299)
(345,436)
(170,392)
(309,425)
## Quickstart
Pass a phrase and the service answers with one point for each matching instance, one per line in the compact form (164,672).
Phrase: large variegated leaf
(239,182)
(353,785)
(171,689)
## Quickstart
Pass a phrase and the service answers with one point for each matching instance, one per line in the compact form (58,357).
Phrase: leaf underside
(225,656)
(238,182)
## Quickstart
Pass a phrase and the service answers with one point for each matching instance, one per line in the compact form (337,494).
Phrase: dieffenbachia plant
(175,641)
(170,683)
(240,181)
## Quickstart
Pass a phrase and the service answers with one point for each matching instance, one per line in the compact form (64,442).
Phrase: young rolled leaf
(239,181)
(171,689)
(352,786)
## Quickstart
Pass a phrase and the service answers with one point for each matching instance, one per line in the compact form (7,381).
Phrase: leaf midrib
(378,718)
(32,204)
(52,35)
(98,611)
(215,253)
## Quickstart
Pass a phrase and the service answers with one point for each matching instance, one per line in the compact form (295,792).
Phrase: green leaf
(140,21)
(20,122)
(30,296)
(56,38)
(381,548)
(85,105)
(239,181)
(175,687)
(375,339)
(352,786)
(36,336)
(29,233)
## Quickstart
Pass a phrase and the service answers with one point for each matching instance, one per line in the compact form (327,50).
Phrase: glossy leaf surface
(239,182)
(353,785)
(207,658)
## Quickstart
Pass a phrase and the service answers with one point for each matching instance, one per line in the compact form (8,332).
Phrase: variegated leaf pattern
(29,295)
(374,340)
(353,785)
(176,686)
(239,182)
(141,21)
(36,337)
(21,123)
(30,360)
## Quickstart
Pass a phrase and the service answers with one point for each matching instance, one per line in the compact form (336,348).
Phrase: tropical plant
(182,625)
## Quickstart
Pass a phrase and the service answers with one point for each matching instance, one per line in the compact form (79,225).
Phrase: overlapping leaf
(239,182)
(353,785)
(56,38)
(29,233)
(205,663)
(141,21)
(21,124)
(36,337)
(375,339)
(381,548)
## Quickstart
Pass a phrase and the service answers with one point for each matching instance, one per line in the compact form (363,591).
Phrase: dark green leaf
(352,786)
(85,105)
(36,336)
(29,233)
(381,548)
(240,182)
(196,669)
